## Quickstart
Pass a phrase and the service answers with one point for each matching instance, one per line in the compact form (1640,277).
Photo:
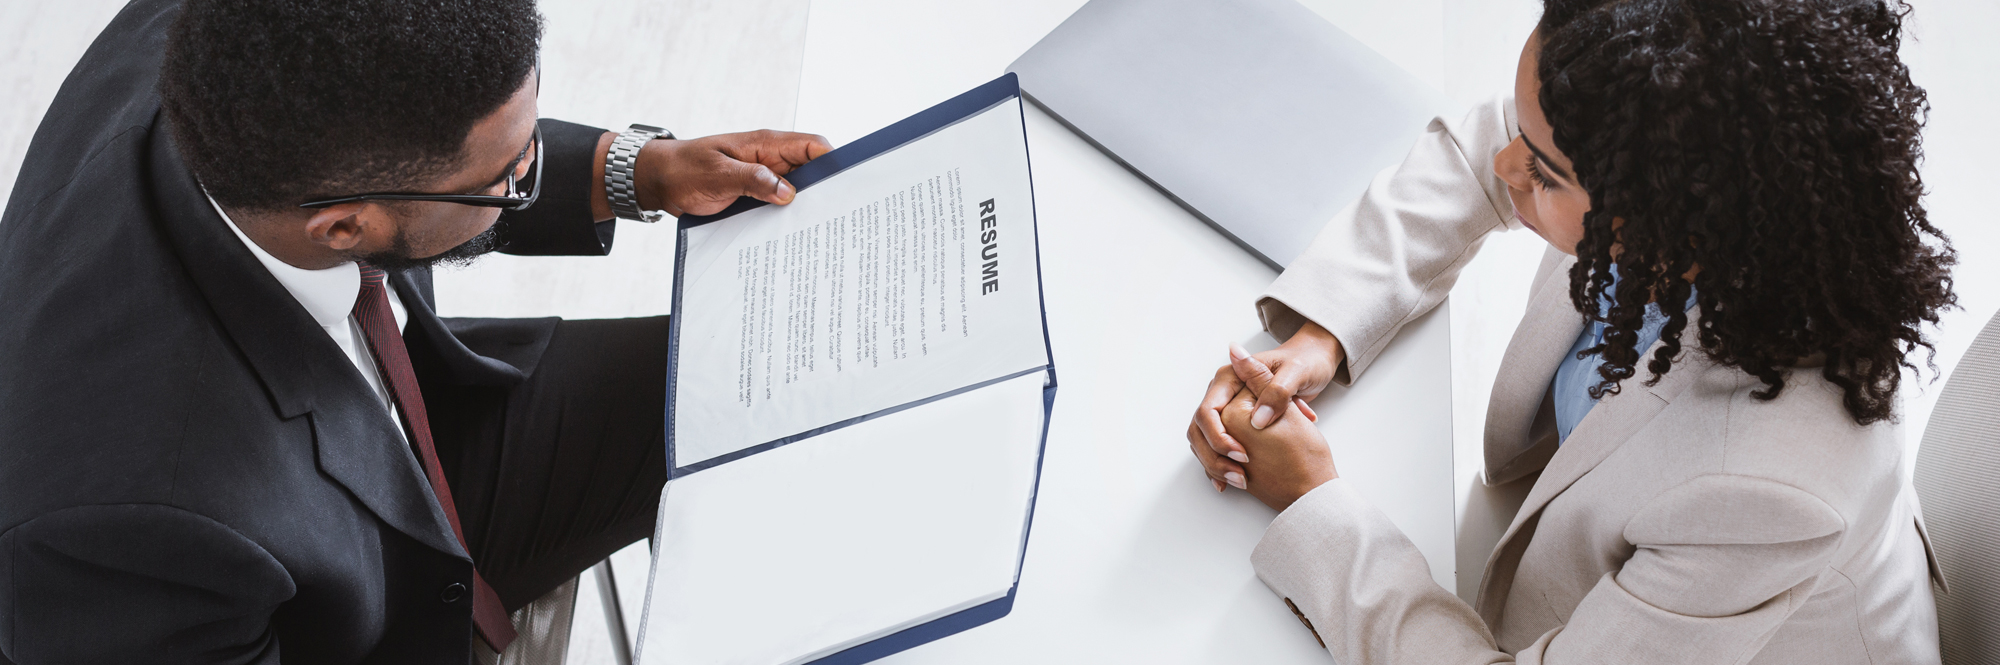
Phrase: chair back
(1958,485)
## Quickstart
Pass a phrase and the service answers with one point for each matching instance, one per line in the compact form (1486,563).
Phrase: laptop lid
(1259,116)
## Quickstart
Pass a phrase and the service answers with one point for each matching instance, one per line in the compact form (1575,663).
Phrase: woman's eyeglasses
(513,199)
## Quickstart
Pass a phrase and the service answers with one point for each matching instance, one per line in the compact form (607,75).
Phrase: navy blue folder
(910,129)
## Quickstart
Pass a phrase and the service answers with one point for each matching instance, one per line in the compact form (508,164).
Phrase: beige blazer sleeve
(1394,254)
(1718,564)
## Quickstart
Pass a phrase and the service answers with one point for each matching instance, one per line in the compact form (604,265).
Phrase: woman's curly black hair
(1771,146)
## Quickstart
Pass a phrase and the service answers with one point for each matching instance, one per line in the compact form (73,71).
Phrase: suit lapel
(301,369)
(1545,335)
(1610,423)
(359,446)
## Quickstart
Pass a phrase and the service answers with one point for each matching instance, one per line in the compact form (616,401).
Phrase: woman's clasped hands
(1254,430)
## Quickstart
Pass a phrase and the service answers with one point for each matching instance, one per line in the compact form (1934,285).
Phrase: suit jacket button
(452,593)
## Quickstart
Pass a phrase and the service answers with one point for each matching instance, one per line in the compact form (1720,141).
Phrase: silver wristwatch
(619,184)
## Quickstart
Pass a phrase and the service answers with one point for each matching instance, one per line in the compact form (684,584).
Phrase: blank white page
(798,552)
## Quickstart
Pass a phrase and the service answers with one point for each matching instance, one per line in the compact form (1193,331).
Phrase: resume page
(903,278)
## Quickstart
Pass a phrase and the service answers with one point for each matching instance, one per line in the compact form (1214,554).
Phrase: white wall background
(708,66)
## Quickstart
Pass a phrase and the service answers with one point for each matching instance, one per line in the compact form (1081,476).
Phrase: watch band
(619,184)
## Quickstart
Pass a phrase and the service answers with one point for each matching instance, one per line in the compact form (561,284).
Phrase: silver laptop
(1259,116)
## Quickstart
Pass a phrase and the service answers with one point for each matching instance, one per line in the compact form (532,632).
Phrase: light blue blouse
(1576,375)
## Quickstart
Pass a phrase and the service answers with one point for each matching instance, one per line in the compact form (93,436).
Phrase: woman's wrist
(1311,482)
(1320,343)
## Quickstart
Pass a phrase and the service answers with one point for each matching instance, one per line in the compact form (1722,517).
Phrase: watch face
(650,128)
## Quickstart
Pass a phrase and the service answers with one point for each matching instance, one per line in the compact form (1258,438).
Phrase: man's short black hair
(274,102)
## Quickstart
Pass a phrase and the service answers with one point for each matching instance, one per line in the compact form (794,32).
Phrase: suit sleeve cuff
(1282,322)
(1300,535)
(1361,585)
(560,222)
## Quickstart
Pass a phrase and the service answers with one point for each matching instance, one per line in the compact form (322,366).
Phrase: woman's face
(1539,179)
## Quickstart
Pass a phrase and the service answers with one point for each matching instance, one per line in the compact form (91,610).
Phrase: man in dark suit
(233,428)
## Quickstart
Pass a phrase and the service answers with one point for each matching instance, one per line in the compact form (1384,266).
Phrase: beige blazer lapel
(1545,335)
(1614,420)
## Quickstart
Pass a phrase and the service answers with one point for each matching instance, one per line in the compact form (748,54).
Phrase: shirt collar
(328,294)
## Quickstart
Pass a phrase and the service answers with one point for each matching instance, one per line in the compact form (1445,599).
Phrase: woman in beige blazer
(1752,162)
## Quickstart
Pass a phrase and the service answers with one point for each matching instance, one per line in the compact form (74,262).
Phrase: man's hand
(1289,457)
(702,176)
(1299,368)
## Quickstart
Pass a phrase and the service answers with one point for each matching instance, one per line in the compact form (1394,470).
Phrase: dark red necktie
(392,359)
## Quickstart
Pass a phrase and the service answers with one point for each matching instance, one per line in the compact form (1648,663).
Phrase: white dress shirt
(329,296)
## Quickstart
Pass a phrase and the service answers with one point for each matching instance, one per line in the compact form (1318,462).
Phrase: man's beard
(398,257)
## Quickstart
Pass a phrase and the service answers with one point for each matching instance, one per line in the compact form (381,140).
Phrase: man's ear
(343,227)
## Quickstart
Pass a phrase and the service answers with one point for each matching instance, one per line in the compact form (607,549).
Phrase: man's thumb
(760,183)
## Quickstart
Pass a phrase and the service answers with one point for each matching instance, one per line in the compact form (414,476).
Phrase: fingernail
(1218,484)
(1235,479)
(1236,351)
(1263,417)
(1239,457)
(785,191)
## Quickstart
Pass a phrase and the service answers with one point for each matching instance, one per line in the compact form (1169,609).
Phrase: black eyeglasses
(513,199)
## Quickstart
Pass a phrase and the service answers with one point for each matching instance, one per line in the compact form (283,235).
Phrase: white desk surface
(1133,556)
